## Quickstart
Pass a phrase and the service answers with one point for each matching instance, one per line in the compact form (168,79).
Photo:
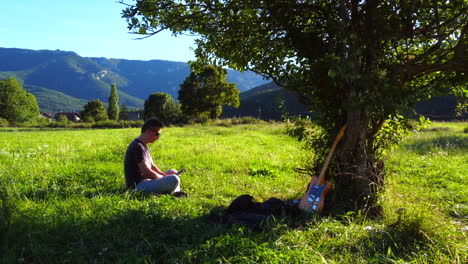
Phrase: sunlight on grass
(63,199)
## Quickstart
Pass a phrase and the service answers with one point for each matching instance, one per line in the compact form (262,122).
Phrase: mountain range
(266,101)
(65,81)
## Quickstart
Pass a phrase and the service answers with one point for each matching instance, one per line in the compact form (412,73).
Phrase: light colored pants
(166,184)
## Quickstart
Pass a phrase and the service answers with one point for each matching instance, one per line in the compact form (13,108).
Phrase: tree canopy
(205,91)
(360,63)
(16,104)
(94,111)
(113,108)
(162,106)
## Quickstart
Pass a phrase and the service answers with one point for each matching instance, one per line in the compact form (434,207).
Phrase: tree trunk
(358,175)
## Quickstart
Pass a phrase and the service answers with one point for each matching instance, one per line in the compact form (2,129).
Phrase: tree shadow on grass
(141,232)
(131,236)
(62,190)
(392,243)
(124,234)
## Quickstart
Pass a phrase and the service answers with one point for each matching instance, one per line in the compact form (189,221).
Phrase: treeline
(204,96)
(201,98)
(271,102)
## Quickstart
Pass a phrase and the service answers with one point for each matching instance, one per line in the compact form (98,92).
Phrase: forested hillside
(65,81)
(269,101)
(78,79)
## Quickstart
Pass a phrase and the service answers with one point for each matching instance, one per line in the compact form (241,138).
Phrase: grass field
(63,200)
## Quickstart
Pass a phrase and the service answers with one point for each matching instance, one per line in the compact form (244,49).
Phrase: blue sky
(91,28)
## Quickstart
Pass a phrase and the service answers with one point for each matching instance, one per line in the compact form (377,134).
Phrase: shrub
(106,124)
(4,122)
(18,105)
(94,110)
(235,121)
(117,124)
(162,106)
(90,125)
(42,122)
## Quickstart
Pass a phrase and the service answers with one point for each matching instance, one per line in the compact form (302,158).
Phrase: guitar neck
(321,177)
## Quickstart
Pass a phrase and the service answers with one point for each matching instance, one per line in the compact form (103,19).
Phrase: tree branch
(409,71)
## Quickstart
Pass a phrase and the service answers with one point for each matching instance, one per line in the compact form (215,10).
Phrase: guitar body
(313,199)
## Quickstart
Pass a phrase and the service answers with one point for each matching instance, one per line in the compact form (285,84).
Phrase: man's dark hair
(150,123)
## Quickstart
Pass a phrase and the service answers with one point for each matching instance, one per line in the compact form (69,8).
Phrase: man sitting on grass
(140,171)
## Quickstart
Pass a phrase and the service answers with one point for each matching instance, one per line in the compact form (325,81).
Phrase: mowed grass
(63,199)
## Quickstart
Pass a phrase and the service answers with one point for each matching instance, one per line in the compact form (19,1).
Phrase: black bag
(245,211)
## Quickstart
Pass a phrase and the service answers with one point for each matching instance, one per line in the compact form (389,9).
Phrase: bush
(105,124)
(99,124)
(4,122)
(117,124)
(235,121)
(94,110)
(162,106)
(63,120)
(68,125)
(43,122)
(129,124)
(18,106)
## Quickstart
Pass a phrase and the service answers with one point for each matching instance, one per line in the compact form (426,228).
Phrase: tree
(113,108)
(162,106)
(16,104)
(123,114)
(205,91)
(94,111)
(63,119)
(360,63)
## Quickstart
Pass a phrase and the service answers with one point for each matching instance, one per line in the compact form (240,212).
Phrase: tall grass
(427,192)
(63,199)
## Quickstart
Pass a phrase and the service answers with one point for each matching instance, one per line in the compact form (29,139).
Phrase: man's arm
(148,172)
(156,169)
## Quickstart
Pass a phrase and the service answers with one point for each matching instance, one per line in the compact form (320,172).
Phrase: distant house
(135,115)
(45,115)
(74,117)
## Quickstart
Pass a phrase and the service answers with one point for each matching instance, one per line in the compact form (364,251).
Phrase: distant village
(75,117)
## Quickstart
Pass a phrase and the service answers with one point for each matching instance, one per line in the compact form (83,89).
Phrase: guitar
(314,197)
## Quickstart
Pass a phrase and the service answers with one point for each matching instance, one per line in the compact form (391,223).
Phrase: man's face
(154,133)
